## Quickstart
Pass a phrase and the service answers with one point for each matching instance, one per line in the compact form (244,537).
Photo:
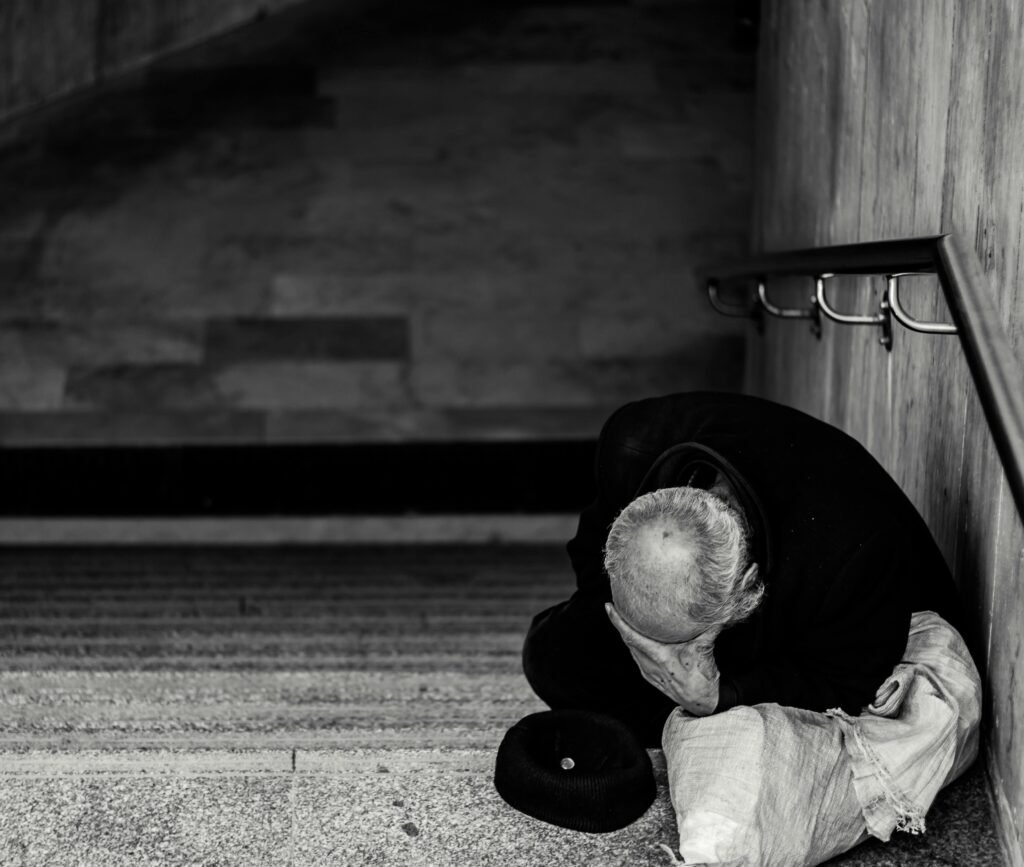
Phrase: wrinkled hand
(686,672)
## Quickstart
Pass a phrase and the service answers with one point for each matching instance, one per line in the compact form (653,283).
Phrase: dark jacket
(844,555)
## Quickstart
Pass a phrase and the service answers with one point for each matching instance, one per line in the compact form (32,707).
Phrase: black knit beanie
(574,768)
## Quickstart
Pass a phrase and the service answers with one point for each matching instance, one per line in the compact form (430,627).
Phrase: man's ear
(750,576)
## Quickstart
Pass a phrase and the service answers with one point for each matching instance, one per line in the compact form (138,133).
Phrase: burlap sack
(774,786)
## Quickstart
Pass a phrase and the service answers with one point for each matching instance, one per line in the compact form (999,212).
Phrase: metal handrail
(995,370)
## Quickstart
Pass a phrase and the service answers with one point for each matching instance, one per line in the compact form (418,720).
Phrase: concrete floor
(300,706)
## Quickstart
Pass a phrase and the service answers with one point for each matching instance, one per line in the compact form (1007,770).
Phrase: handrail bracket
(882,318)
(735,311)
(811,313)
(892,301)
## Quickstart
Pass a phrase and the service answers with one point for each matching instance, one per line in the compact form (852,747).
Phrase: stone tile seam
(362,768)
(373,762)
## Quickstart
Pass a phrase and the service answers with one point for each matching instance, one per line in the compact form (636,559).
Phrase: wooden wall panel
(923,102)
(930,383)
(1006,650)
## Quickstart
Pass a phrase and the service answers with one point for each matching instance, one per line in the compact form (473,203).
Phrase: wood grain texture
(883,120)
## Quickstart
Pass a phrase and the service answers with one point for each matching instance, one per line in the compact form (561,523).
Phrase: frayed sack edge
(886,808)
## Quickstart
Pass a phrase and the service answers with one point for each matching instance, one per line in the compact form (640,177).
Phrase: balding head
(677,560)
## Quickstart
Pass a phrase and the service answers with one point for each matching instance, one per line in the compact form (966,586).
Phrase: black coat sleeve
(586,551)
(835,653)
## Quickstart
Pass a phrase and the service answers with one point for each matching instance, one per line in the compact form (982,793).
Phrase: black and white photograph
(527,433)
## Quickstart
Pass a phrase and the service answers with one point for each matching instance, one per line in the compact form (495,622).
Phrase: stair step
(392,806)
(262,706)
(426,529)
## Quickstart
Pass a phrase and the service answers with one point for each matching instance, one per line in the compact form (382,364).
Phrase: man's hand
(686,672)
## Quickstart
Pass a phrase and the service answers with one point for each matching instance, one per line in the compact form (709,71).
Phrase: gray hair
(728,588)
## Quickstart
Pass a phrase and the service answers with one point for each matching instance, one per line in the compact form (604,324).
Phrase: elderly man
(739,552)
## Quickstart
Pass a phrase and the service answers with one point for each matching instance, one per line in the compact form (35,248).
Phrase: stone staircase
(300,706)
(269,706)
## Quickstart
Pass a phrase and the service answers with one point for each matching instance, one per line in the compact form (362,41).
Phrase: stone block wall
(54,49)
(480,223)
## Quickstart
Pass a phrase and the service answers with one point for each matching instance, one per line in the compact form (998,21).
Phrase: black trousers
(574,658)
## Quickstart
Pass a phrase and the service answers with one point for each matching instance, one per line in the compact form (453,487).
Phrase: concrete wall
(50,49)
(883,120)
(474,224)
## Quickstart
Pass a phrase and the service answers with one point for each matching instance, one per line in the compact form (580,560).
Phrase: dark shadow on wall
(248,246)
